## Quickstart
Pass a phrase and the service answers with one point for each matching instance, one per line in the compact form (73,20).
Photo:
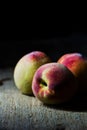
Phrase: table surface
(22,112)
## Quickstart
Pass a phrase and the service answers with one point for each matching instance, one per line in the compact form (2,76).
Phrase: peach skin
(77,64)
(25,69)
(54,83)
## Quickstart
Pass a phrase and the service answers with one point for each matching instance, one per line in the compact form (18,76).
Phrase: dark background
(54,42)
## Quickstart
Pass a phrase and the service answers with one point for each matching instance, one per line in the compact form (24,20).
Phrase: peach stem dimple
(43,83)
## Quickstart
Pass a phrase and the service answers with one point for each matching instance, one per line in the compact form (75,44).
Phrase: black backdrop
(55,43)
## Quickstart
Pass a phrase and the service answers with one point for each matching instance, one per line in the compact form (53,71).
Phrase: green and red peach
(77,64)
(25,69)
(54,83)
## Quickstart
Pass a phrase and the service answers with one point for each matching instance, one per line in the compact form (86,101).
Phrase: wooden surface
(21,112)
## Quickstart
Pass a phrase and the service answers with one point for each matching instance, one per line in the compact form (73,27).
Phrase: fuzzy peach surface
(71,60)
(77,64)
(25,69)
(53,83)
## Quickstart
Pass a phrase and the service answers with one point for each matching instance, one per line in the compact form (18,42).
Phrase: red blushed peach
(77,64)
(25,69)
(54,83)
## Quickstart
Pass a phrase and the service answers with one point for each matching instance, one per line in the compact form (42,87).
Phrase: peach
(54,83)
(77,64)
(25,69)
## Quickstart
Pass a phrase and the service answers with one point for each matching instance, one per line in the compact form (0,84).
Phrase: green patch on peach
(25,69)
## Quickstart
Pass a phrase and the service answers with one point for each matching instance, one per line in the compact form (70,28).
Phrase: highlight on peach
(25,68)
(77,64)
(54,83)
